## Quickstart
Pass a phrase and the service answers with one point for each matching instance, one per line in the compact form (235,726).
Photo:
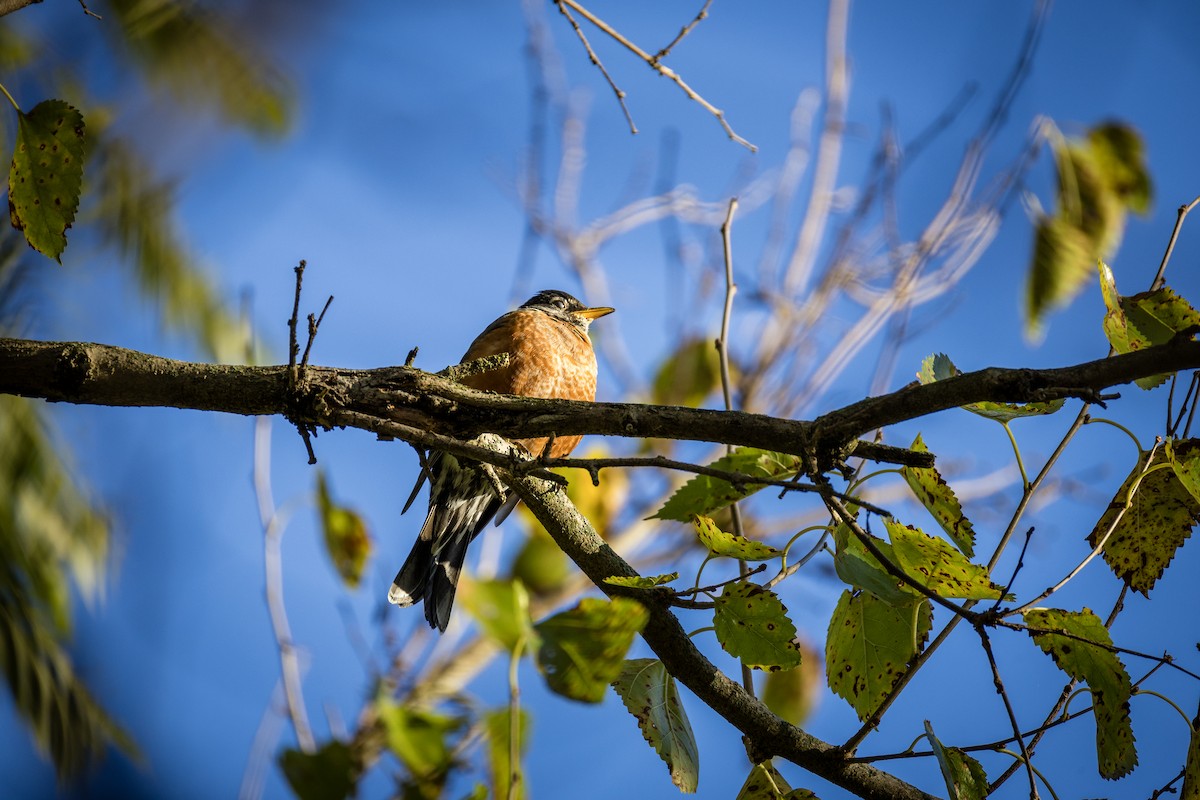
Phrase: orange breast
(547,358)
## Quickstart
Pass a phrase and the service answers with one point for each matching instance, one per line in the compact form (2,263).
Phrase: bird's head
(565,307)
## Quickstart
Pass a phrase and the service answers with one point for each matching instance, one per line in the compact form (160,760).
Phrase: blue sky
(396,186)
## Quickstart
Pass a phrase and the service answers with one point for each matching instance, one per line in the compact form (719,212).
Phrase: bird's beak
(595,313)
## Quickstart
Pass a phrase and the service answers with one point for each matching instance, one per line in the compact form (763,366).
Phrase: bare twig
(596,62)
(700,17)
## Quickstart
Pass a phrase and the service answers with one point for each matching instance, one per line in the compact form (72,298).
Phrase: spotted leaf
(964,776)
(752,624)
(937,565)
(1157,520)
(723,543)
(704,494)
(870,645)
(46,175)
(1084,654)
(765,783)
(939,367)
(1191,769)
(940,501)
(650,694)
(855,565)
(641,581)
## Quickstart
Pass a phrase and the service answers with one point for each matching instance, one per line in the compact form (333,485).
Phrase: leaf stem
(10,98)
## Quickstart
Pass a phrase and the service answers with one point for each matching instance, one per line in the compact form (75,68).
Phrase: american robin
(549,355)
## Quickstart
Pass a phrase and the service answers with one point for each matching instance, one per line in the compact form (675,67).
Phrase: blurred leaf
(1092,662)
(704,495)
(964,776)
(650,694)
(46,175)
(1191,769)
(541,565)
(1062,263)
(752,625)
(346,539)
(939,499)
(330,773)
(1144,319)
(641,581)
(792,694)
(133,212)
(420,739)
(723,543)
(937,565)
(765,783)
(497,724)
(501,608)
(202,58)
(855,565)
(1159,519)
(582,650)
(1121,160)
(688,375)
(870,645)
(939,367)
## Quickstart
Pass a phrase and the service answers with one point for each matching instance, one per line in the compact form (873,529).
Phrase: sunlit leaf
(1085,656)
(855,565)
(704,494)
(420,738)
(752,625)
(641,581)
(937,565)
(765,783)
(688,375)
(650,694)
(46,175)
(939,367)
(964,776)
(793,694)
(582,650)
(870,645)
(1184,456)
(1121,159)
(724,543)
(345,533)
(1144,319)
(330,773)
(1159,519)
(500,607)
(499,729)
(941,502)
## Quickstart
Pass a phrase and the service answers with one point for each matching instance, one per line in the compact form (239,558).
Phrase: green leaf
(722,543)
(419,738)
(870,645)
(1159,519)
(939,367)
(704,494)
(540,564)
(582,650)
(856,566)
(641,581)
(46,175)
(792,694)
(964,776)
(1191,769)
(345,533)
(752,625)
(501,608)
(1062,263)
(497,724)
(649,693)
(937,565)
(688,376)
(328,774)
(940,501)
(765,783)
(1184,456)
(1121,160)
(1143,320)
(1092,662)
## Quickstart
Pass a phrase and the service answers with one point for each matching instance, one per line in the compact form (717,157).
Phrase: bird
(550,355)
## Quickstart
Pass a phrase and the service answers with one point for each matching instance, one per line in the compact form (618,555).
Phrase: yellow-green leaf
(939,367)
(651,696)
(1159,519)
(723,543)
(870,645)
(1085,656)
(964,776)
(752,625)
(1121,160)
(765,783)
(856,566)
(792,694)
(540,563)
(687,376)
(582,650)
(501,608)
(419,738)
(940,501)
(938,566)
(46,175)
(1185,462)
(641,581)
(345,533)
(497,725)
(1062,263)
(704,494)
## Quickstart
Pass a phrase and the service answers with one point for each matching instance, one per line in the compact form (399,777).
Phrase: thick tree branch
(406,402)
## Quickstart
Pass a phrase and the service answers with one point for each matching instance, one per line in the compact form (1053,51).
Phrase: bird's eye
(560,302)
